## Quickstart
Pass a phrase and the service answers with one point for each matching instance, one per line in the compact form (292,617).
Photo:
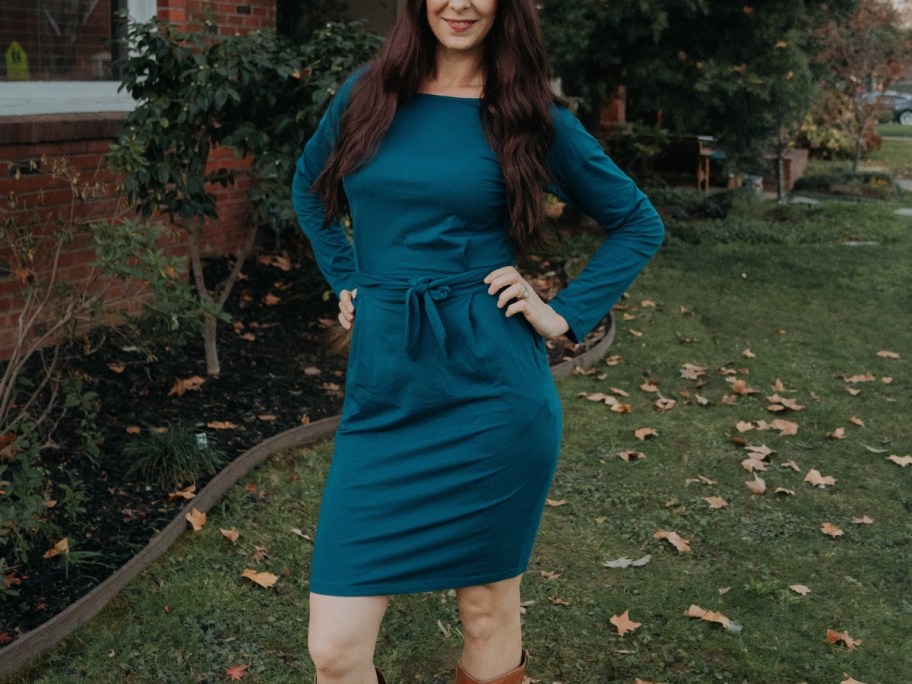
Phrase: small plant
(173,455)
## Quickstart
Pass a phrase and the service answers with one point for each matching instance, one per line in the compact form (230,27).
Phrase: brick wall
(85,139)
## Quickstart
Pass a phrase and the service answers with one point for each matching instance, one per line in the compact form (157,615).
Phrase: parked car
(902,110)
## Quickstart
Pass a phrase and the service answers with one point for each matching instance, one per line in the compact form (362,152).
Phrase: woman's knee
(337,653)
(488,611)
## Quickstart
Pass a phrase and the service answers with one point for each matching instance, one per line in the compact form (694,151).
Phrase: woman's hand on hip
(516,296)
(347,308)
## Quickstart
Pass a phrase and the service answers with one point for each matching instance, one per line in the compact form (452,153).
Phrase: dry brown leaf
(231,535)
(785,427)
(757,485)
(236,672)
(715,501)
(744,426)
(663,404)
(623,623)
(887,380)
(649,386)
(790,404)
(702,401)
(691,371)
(863,520)
(729,399)
(855,420)
(266,417)
(635,333)
(117,367)
(884,354)
(613,360)
(248,337)
(701,479)
(748,354)
(849,680)
(618,391)
(791,464)
(682,545)
(222,425)
(762,451)
(851,390)
(783,490)
(642,433)
(818,480)
(831,530)
(183,385)
(196,518)
(555,503)
(264,579)
(629,456)
(867,377)
(63,546)
(834,637)
(557,601)
(740,386)
(549,575)
(753,464)
(629,316)
(186,493)
(647,304)
(271,300)
(710,616)
(800,589)
(778,386)
(901,461)
(838,433)
(133,429)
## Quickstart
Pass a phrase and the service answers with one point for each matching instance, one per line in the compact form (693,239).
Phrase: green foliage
(633,148)
(258,93)
(173,455)
(25,491)
(300,20)
(872,184)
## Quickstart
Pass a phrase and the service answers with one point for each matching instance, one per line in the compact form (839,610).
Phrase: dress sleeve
(332,249)
(588,179)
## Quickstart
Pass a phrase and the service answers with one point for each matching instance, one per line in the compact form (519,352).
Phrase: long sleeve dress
(451,425)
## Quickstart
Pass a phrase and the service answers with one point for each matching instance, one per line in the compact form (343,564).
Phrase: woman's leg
(492,628)
(342,636)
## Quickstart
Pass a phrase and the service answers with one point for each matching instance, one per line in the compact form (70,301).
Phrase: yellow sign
(16,63)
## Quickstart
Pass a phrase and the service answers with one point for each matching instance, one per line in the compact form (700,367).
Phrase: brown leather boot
(512,677)
(380,679)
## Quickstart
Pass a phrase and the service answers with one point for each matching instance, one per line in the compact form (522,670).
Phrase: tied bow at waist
(423,293)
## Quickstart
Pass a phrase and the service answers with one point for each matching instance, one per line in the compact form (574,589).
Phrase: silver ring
(526,294)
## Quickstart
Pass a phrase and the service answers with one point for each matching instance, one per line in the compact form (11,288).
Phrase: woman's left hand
(520,298)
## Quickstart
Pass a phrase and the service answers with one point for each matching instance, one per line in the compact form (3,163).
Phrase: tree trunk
(210,322)
(210,344)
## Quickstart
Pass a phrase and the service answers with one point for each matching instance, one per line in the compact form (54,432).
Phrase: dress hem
(390,589)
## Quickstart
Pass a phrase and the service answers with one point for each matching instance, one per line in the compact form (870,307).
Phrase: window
(56,56)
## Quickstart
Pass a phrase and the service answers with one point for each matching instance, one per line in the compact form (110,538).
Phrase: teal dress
(451,425)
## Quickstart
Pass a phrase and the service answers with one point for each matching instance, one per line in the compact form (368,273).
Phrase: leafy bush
(173,455)
(871,184)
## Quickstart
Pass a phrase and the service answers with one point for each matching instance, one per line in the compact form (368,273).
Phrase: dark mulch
(278,370)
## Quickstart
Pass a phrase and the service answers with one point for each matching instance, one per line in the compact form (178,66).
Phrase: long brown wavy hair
(514,111)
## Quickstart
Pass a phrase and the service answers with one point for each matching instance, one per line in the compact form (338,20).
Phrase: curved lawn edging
(32,644)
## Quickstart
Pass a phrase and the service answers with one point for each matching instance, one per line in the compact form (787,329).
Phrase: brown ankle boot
(515,676)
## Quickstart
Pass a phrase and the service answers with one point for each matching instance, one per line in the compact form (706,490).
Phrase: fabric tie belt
(423,293)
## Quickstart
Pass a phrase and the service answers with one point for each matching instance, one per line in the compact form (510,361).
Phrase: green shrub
(173,455)
(872,184)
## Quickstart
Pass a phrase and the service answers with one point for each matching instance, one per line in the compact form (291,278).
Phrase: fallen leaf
(63,546)
(855,420)
(710,616)
(186,493)
(271,300)
(783,490)
(790,404)
(682,545)
(642,433)
(181,386)
(800,589)
(248,337)
(702,401)
(222,425)
(785,427)
(849,680)
(834,637)
(629,456)
(196,518)
(647,304)
(729,399)
(259,553)
(778,386)
(635,333)
(744,426)
(887,380)
(715,501)
(236,672)
(613,360)
(864,520)
(133,430)
(748,354)
(266,417)
(901,461)
(629,316)
(851,390)
(757,485)
(312,370)
(740,386)
(690,371)
(762,451)
(549,575)
(264,579)
(831,530)
(618,391)
(662,404)
(867,377)
(624,562)
(623,623)
(558,601)
(552,502)
(791,464)
(231,535)
(884,354)
(648,386)
(818,480)
(838,433)
(117,367)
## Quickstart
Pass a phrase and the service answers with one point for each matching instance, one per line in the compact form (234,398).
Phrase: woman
(451,427)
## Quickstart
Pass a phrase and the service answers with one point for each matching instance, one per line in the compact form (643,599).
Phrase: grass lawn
(803,318)
(895,130)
